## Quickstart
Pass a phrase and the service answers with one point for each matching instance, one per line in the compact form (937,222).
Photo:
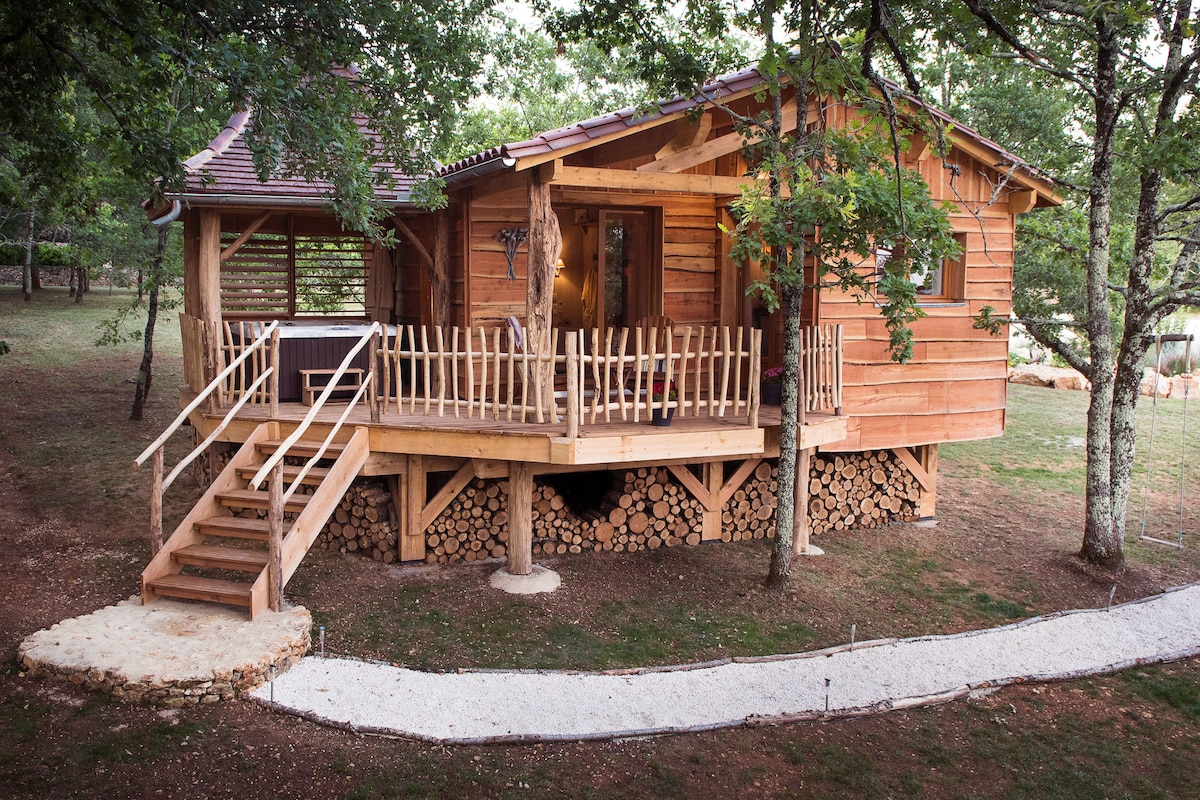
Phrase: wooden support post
(439,276)
(208,267)
(573,403)
(545,245)
(412,534)
(275,542)
(800,527)
(927,505)
(520,518)
(710,520)
(373,391)
(156,497)
(274,383)
(212,362)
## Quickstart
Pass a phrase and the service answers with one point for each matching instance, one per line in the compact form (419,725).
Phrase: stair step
(204,555)
(236,527)
(213,590)
(314,476)
(302,448)
(248,498)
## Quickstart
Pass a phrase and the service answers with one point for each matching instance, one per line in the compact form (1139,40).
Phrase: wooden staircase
(216,557)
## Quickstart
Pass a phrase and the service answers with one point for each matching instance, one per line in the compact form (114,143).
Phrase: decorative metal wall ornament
(512,239)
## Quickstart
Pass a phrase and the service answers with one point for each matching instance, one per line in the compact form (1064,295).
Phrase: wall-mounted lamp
(558,268)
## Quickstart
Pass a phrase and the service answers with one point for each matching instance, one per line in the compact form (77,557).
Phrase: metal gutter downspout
(170,216)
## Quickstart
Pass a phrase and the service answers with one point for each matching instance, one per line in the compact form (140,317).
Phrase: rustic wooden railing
(159,484)
(482,373)
(364,393)
(821,368)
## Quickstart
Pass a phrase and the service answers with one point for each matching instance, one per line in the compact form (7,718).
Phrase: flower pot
(770,394)
(661,418)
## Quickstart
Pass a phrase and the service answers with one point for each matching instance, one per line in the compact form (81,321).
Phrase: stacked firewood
(750,512)
(860,490)
(363,522)
(473,527)
(645,510)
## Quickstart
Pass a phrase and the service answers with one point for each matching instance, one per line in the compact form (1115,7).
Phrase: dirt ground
(69,546)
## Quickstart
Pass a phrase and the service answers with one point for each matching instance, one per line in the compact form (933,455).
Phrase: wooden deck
(613,443)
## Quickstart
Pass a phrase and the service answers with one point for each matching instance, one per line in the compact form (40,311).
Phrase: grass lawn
(73,521)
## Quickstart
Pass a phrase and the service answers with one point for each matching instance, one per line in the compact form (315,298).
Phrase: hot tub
(315,346)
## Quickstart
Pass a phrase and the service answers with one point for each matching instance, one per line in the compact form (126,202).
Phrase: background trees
(849,184)
(1097,278)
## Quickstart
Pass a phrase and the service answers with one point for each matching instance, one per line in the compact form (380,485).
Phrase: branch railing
(626,374)
(821,368)
(159,484)
(365,393)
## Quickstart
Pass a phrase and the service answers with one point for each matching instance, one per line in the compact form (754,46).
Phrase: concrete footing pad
(539,580)
(168,653)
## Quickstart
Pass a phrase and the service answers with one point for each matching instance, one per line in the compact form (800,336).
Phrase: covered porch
(471,405)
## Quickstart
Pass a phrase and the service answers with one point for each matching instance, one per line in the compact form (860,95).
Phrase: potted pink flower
(661,393)
(771,387)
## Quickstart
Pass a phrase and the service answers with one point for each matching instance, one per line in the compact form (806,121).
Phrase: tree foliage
(1097,278)
(848,184)
(143,69)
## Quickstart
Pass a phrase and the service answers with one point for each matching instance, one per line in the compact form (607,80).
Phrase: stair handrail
(159,485)
(328,439)
(212,437)
(318,404)
(204,395)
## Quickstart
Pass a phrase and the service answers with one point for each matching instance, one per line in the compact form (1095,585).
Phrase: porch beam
(1020,202)
(439,275)
(906,458)
(251,229)
(702,151)
(928,501)
(591,177)
(690,134)
(402,226)
(464,475)
(737,479)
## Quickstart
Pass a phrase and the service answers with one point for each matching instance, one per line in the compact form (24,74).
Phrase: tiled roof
(225,171)
(629,118)
(606,124)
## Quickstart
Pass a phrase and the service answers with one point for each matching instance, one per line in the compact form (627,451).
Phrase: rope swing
(1187,338)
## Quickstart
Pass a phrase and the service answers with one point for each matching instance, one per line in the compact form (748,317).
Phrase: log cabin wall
(954,387)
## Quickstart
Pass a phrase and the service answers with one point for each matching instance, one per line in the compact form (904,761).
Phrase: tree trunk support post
(274,382)
(275,542)
(412,502)
(801,530)
(710,519)
(156,503)
(520,518)
(928,502)
(374,394)
(544,247)
(573,404)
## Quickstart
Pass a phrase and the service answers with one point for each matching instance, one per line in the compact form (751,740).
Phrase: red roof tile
(225,170)
(629,118)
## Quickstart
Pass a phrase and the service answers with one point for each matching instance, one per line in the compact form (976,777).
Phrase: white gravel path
(486,706)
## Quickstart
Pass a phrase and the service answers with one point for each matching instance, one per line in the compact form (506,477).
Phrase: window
(281,276)
(941,282)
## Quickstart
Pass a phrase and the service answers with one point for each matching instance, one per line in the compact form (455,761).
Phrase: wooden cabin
(577,288)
